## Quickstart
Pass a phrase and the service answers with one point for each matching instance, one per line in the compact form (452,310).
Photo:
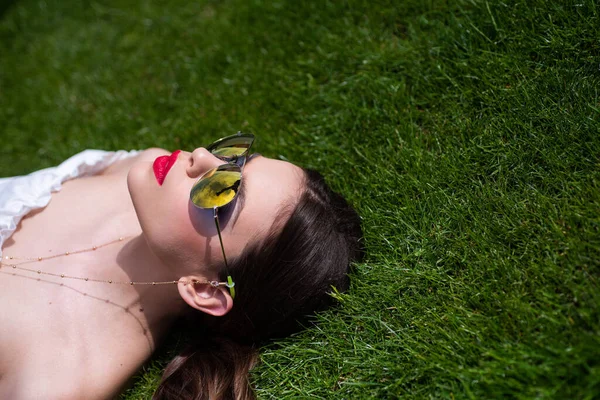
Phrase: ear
(202,296)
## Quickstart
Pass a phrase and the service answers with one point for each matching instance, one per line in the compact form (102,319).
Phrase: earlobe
(198,293)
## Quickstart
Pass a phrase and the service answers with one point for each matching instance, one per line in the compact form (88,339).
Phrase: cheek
(250,230)
(202,220)
(171,233)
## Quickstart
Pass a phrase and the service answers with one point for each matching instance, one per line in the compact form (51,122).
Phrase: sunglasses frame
(230,284)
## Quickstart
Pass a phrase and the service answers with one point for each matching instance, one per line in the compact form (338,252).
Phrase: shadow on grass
(5,5)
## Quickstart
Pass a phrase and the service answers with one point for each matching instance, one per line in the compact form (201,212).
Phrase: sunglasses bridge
(224,149)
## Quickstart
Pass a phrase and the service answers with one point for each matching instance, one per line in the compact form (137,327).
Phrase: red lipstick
(163,164)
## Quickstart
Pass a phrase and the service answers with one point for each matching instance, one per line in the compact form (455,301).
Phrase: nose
(201,161)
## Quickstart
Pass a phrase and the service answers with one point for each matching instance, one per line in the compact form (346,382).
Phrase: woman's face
(183,236)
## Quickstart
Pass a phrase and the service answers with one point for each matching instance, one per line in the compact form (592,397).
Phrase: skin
(63,339)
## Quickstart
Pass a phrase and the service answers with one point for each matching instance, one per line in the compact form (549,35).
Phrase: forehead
(269,186)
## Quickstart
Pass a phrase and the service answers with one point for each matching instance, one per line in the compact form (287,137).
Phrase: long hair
(280,283)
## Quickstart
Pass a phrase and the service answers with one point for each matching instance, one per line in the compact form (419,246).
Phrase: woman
(93,282)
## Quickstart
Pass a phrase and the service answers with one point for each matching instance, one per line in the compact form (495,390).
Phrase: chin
(140,179)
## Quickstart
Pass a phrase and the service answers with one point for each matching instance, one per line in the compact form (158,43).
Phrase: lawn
(466,133)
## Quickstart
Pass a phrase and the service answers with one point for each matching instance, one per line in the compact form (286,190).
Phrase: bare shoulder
(65,389)
(21,385)
(66,380)
(48,391)
(123,166)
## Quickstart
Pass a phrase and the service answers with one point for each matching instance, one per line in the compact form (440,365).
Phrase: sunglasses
(219,186)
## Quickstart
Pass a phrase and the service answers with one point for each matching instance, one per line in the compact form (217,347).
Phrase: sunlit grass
(466,133)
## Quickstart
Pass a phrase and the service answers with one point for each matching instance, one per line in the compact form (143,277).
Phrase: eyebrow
(240,202)
(241,196)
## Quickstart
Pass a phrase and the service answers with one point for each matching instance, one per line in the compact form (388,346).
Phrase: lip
(162,165)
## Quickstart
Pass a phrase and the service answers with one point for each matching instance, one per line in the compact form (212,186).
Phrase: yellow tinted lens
(233,151)
(217,187)
(232,146)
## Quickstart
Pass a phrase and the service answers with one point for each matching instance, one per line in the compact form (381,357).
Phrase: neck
(142,314)
(161,304)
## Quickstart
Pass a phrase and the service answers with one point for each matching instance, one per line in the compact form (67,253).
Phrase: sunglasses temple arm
(230,283)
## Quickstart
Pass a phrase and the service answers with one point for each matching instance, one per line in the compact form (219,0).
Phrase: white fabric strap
(20,195)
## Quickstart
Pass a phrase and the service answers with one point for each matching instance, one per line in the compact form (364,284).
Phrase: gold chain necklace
(29,260)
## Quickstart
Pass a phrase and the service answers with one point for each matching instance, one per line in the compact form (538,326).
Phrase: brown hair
(279,285)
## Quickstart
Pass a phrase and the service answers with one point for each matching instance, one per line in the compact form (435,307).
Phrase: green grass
(465,132)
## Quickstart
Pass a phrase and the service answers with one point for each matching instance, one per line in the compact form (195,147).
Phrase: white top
(20,195)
